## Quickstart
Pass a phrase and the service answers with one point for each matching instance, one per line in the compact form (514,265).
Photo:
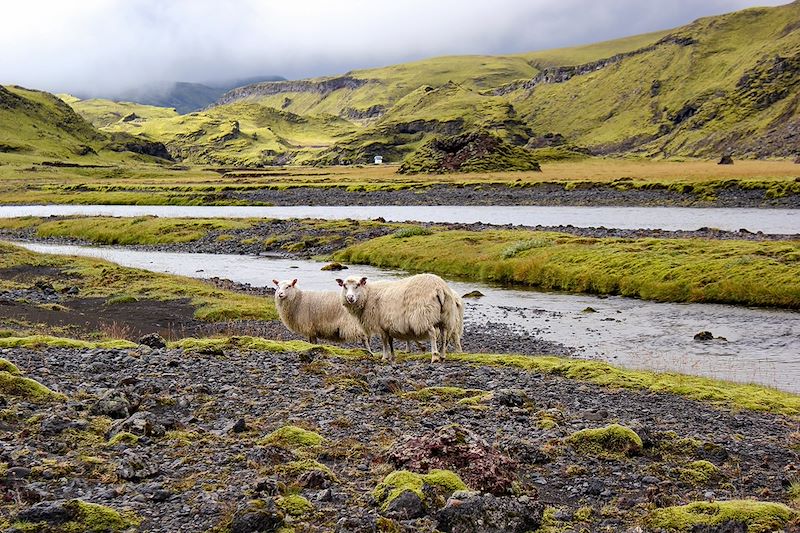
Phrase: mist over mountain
(185,97)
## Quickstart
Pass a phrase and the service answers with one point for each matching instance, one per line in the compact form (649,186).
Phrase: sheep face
(352,289)
(285,290)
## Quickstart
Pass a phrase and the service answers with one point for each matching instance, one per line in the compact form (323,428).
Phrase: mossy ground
(99,278)
(12,384)
(760,517)
(86,517)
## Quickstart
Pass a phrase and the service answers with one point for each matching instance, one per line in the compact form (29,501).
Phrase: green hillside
(37,126)
(729,83)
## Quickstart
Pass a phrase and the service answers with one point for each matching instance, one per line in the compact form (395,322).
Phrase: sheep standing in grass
(317,315)
(417,308)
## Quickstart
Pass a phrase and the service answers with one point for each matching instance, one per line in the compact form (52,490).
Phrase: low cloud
(112,46)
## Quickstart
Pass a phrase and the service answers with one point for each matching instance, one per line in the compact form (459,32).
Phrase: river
(762,345)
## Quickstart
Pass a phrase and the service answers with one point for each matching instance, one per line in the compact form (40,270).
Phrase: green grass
(139,230)
(98,278)
(717,392)
(676,270)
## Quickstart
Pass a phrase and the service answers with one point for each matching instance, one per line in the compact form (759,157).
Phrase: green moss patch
(8,366)
(699,473)
(124,437)
(292,437)
(294,505)
(86,517)
(46,341)
(298,468)
(760,517)
(400,481)
(613,439)
(26,388)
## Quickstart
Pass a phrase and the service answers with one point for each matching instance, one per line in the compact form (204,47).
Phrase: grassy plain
(22,182)
(675,270)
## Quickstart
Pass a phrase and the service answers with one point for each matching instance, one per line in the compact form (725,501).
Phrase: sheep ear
(363,281)
(294,282)
(340,282)
(275,281)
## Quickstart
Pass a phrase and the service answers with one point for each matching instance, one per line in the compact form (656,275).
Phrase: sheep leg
(457,342)
(433,333)
(443,334)
(388,348)
(367,347)
(312,339)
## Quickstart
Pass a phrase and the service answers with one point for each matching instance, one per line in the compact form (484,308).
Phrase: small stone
(650,480)
(474,294)
(50,512)
(703,336)
(594,487)
(726,160)
(334,267)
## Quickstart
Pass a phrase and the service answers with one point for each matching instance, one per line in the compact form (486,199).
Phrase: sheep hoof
(435,358)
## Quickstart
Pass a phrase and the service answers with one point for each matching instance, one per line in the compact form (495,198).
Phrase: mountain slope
(723,84)
(36,124)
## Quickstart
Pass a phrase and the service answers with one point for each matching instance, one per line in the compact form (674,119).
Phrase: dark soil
(543,194)
(194,467)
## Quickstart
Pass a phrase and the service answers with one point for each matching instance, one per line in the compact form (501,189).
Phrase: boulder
(466,512)
(112,403)
(153,340)
(257,516)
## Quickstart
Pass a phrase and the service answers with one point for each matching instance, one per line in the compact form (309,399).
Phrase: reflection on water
(779,221)
(762,345)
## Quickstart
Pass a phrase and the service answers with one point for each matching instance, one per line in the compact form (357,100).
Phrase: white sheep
(455,330)
(416,308)
(317,315)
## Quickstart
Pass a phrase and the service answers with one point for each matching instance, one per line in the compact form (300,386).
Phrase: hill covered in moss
(727,84)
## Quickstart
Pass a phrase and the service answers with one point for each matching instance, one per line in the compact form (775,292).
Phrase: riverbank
(705,266)
(191,435)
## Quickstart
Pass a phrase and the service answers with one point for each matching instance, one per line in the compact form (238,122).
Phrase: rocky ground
(176,439)
(487,194)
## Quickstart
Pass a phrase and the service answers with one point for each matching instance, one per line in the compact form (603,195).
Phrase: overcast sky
(106,46)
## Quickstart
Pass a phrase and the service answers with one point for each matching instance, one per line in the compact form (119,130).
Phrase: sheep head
(285,290)
(352,289)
